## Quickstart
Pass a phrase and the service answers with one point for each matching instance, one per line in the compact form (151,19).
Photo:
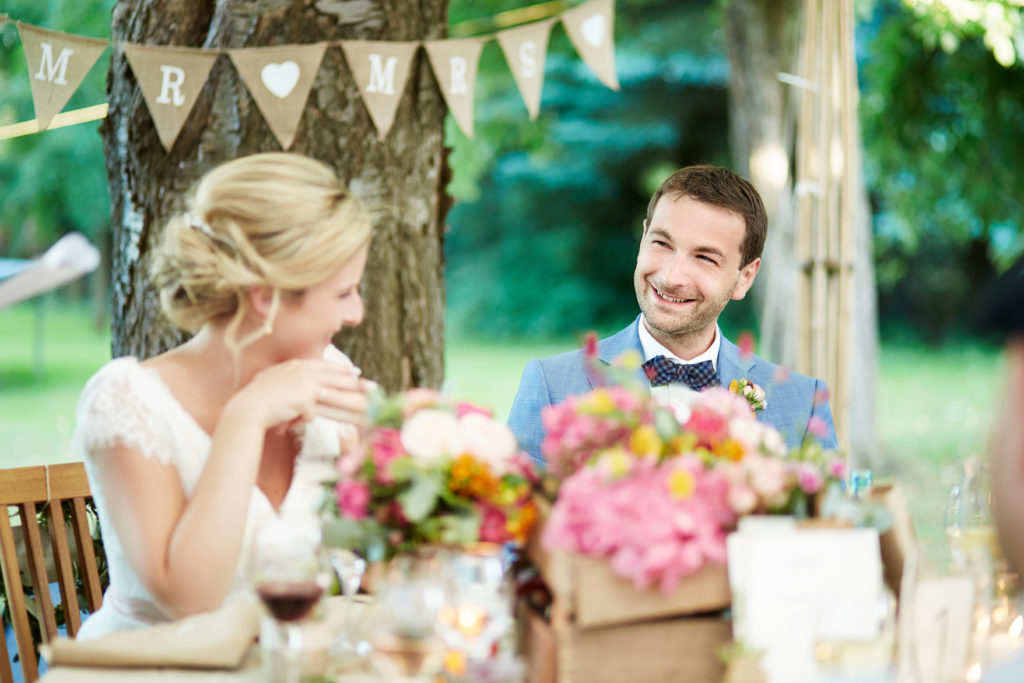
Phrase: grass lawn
(933,405)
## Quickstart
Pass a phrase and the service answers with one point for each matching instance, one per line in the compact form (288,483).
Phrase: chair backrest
(48,489)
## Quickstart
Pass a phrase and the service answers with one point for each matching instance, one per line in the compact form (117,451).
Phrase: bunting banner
(170,79)
(279,80)
(381,69)
(57,65)
(455,63)
(526,50)
(591,27)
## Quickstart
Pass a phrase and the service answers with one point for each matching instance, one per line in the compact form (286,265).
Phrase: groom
(701,248)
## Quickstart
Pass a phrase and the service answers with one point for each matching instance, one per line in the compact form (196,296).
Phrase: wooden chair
(47,487)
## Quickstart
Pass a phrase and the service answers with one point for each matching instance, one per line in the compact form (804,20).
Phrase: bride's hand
(300,390)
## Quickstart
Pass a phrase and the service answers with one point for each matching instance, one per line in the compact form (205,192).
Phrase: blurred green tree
(942,112)
(55,182)
(548,213)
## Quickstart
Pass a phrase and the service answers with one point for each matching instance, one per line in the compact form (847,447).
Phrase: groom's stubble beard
(682,326)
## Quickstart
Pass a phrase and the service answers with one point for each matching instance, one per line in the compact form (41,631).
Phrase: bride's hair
(278,220)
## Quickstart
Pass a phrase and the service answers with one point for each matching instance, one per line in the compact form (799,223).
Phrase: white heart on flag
(593,29)
(280,79)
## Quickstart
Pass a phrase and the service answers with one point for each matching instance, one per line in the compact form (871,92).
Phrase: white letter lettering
(382,75)
(47,69)
(527,59)
(174,78)
(459,68)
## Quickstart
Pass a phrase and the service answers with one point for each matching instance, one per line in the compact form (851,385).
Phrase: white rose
(488,441)
(430,435)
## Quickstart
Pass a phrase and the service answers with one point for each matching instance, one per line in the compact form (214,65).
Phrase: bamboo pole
(851,169)
(806,187)
(819,279)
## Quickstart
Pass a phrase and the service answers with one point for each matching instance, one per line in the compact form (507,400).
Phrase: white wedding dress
(126,403)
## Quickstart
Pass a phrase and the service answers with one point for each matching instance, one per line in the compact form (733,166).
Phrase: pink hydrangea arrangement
(657,493)
(430,470)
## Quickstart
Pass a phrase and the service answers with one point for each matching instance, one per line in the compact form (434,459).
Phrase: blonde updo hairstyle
(279,220)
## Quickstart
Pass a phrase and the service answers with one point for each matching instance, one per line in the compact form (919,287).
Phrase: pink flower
(492,525)
(836,468)
(590,346)
(817,426)
(464,408)
(419,398)
(353,497)
(386,446)
(742,499)
(746,343)
(781,375)
(809,478)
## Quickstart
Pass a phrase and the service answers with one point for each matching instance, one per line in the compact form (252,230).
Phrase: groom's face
(688,267)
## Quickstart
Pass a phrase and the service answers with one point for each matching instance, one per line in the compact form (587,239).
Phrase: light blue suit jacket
(790,403)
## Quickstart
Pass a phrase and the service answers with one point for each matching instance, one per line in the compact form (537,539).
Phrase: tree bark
(401,179)
(763,39)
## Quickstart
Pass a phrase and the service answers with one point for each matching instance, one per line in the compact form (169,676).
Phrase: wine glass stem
(293,653)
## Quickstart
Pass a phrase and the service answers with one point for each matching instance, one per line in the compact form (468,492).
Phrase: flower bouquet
(429,470)
(655,492)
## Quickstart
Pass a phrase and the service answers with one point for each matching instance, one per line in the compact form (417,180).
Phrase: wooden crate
(589,594)
(680,649)
(602,628)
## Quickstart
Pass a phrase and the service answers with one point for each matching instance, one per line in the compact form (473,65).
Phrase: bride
(190,451)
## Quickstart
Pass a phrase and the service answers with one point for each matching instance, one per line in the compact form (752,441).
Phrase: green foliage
(52,182)
(942,141)
(545,230)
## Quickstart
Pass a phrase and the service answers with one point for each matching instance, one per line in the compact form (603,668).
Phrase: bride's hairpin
(196,222)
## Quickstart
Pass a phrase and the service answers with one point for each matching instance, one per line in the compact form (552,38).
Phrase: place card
(793,588)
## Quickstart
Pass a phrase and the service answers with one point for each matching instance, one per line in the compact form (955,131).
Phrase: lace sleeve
(117,409)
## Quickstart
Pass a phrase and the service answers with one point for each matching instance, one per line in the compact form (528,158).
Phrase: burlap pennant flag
(381,70)
(57,65)
(279,79)
(170,79)
(455,63)
(526,49)
(591,30)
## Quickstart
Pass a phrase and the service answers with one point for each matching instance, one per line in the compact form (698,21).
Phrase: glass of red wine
(289,575)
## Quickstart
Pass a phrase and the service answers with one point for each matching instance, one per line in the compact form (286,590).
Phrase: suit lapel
(627,339)
(730,365)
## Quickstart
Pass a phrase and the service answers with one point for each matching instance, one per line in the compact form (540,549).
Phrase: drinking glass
(403,623)
(288,574)
(480,607)
(968,518)
(349,568)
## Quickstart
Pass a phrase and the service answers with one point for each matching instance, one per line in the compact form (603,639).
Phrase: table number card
(936,641)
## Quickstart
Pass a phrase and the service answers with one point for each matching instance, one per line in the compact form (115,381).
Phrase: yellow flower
(599,402)
(681,484)
(616,462)
(731,449)
(644,441)
(629,360)
(684,443)
(734,386)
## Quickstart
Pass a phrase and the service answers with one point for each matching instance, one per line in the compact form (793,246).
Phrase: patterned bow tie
(697,376)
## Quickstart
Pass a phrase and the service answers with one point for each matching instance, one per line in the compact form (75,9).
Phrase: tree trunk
(401,179)
(763,39)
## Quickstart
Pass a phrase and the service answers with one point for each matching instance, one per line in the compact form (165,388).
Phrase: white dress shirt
(676,395)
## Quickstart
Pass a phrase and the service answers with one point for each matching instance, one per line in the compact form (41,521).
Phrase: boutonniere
(750,391)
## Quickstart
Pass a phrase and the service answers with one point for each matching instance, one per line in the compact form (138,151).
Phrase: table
(249,672)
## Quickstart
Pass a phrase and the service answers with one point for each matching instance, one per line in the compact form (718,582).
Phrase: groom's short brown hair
(720,187)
